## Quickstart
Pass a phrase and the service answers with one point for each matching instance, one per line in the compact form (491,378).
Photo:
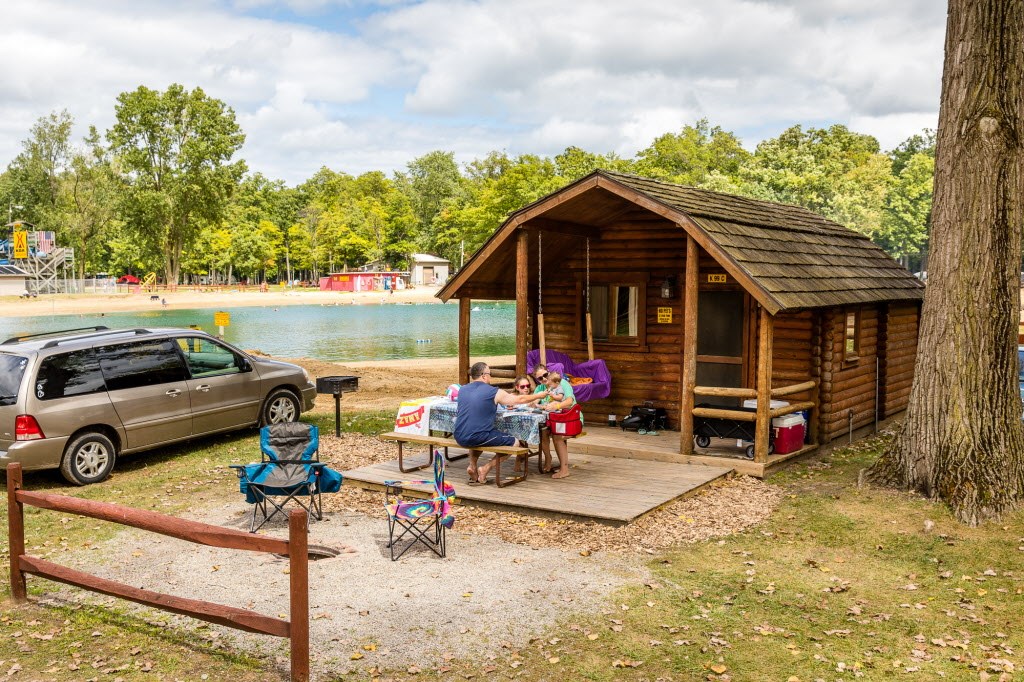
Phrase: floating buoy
(423,341)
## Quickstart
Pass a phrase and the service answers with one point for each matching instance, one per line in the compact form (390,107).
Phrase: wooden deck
(609,490)
(603,441)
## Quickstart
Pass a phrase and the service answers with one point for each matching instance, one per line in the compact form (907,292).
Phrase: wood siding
(900,355)
(851,384)
(629,252)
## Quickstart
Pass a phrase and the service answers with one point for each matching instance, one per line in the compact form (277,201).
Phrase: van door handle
(173,392)
(205,388)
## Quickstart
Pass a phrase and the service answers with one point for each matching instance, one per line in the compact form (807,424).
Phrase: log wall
(851,384)
(900,356)
(642,253)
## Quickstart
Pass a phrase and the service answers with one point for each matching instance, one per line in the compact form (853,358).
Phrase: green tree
(908,209)
(833,171)
(174,150)
(691,155)
(37,174)
(429,182)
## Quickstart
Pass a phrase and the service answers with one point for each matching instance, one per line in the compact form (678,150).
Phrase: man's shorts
(489,439)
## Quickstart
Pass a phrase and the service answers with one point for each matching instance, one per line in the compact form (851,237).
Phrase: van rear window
(68,374)
(12,369)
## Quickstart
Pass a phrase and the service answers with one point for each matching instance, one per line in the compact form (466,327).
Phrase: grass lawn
(841,583)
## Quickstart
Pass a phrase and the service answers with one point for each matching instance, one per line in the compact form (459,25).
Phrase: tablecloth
(522,424)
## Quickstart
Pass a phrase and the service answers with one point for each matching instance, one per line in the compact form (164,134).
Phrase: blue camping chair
(290,471)
(434,513)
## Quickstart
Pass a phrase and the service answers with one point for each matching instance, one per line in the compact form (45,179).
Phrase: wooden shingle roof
(788,257)
(799,258)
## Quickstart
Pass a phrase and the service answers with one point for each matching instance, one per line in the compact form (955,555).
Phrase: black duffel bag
(645,417)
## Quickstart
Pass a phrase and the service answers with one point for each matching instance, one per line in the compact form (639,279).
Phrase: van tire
(281,406)
(89,458)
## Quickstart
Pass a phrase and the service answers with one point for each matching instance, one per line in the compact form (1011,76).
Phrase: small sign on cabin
(222,319)
(721,278)
(664,316)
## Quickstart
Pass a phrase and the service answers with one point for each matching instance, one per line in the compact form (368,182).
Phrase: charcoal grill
(336,386)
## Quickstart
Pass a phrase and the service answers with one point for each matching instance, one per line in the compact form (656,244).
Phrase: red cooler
(789,433)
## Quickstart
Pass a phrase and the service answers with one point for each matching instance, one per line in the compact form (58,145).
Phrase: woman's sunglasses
(542,377)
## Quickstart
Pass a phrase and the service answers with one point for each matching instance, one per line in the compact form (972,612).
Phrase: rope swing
(540,298)
(590,326)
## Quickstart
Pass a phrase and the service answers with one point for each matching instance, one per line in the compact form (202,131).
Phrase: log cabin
(699,301)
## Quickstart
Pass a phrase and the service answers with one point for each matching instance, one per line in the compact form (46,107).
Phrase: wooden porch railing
(746,393)
(295,547)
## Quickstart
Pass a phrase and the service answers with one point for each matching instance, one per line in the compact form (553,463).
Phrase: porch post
(465,305)
(764,386)
(688,361)
(522,299)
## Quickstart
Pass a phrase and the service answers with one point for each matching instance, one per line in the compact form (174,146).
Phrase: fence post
(15,531)
(298,560)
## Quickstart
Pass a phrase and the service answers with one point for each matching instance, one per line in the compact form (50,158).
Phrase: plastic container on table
(772,404)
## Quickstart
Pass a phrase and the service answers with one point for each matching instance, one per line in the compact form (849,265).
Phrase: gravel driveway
(365,610)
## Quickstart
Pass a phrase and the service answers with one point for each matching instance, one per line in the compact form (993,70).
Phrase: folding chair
(290,470)
(425,521)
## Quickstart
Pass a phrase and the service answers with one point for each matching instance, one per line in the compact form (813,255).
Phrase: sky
(361,85)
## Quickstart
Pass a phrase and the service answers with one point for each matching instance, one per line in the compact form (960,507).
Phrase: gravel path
(365,610)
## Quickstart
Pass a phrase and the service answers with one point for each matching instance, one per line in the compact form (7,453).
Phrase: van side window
(131,365)
(207,358)
(68,374)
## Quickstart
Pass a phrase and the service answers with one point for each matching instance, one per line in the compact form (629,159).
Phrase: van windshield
(12,369)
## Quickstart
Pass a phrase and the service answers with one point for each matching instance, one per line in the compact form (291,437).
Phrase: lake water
(345,332)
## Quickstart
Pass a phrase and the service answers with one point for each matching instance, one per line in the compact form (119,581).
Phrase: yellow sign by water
(718,279)
(222,319)
(664,316)
(21,244)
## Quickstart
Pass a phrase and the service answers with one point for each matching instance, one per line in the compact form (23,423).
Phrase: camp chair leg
(417,536)
(401,466)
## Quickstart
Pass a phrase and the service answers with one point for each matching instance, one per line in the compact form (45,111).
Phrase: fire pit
(336,385)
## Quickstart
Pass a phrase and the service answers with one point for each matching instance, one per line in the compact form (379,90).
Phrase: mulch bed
(723,510)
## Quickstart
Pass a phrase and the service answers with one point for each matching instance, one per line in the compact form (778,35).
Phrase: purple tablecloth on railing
(522,424)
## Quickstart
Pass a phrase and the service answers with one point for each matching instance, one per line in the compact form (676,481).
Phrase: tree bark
(963,439)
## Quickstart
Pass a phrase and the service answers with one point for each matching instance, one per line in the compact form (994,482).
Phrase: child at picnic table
(556,393)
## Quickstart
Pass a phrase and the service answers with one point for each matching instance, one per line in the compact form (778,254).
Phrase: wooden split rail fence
(295,548)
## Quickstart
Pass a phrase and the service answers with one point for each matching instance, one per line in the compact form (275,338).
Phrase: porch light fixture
(667,287)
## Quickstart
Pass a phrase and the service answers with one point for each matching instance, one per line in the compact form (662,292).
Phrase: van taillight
(27,428)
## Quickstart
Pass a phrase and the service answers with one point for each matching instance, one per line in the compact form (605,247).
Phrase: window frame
(851,355)
(640,281)
(241,365)
(112,379)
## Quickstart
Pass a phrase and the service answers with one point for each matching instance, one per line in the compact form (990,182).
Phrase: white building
(13,280)
(427,270)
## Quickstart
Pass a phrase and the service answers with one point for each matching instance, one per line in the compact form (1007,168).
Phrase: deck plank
(604,489)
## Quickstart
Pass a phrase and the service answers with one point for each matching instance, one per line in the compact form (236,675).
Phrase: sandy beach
(63,304)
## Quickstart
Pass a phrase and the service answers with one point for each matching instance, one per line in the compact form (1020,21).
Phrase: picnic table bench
(522,454)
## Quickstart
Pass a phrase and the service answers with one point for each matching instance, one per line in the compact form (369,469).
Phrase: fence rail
(296,629)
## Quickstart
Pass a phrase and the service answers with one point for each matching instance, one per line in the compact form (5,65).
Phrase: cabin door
(720,316)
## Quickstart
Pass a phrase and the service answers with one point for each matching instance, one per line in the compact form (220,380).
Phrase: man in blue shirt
(474,418)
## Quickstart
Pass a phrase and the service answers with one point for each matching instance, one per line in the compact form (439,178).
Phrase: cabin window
(851,347)
(615,313)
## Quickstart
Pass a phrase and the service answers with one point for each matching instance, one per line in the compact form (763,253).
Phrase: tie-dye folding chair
(290,471)
(425,521)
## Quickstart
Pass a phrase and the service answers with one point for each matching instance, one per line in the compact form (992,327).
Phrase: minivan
(77,399)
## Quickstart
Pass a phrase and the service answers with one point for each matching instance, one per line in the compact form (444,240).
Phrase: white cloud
(371,84)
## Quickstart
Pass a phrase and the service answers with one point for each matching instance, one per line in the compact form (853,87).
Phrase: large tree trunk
(963,439)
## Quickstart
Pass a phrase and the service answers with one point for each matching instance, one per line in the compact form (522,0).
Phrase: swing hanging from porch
(600,384)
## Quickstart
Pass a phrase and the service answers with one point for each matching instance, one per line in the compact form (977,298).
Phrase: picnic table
(522,424)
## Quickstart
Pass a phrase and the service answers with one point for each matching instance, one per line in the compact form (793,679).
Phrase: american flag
(45,241)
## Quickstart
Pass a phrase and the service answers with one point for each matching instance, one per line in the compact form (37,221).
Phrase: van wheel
(89,458)
(281,406)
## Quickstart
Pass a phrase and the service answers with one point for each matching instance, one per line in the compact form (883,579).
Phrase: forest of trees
(163,191)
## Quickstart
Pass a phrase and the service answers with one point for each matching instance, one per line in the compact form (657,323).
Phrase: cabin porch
(603,489)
